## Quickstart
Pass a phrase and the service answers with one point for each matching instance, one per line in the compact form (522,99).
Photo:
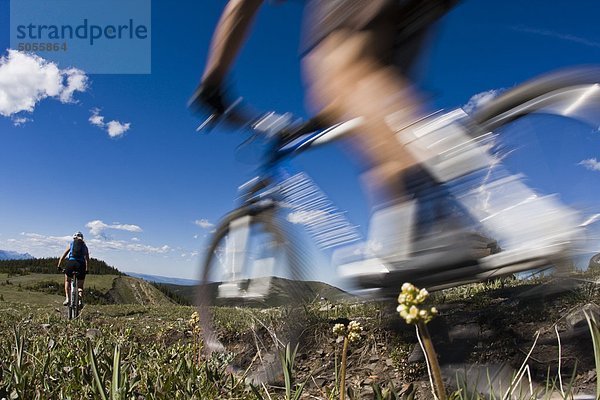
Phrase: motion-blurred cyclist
(357,61)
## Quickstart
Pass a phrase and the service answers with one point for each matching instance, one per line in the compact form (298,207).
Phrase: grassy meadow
(144,346)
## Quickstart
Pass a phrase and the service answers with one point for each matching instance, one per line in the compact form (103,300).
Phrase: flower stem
(343,369)
(433,361)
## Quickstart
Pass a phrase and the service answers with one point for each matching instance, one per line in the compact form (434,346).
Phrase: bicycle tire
(539,94)
(254,350)
(494,113)
(73,299)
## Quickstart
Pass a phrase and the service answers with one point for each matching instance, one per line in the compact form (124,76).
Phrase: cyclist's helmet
(78,235)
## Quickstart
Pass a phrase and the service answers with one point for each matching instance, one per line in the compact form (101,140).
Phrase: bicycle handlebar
(283,127)
(229,115)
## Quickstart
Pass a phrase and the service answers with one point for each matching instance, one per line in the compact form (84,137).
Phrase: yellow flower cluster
(410,299)
(194,322)
(194,319)
(352,331)
(339,329)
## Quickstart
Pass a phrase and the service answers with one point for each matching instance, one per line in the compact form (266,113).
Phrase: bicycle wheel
(74,299)
(544,120)
(251,293)
(553,93)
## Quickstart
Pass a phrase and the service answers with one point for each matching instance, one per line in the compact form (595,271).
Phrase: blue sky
(117,156)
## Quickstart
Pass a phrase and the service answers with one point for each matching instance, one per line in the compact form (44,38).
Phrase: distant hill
(179,290)
(13,255)
(285,291)
(281,292)
(164,279)
(129,290)
(595,261)
(181,294)
(48,266)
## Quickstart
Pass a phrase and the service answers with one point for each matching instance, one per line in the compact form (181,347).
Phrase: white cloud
(18,121)
(76,82)
(204,223)
(592,164)
(98,227)
(57,244)
(26,79)
(116,128)
(96,119)
(54,243)
(113,128)
(480,99)
(97,244)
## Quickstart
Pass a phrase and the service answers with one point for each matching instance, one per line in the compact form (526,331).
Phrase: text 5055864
(42,46)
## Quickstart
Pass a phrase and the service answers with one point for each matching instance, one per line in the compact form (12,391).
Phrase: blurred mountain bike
(477,226)
(74,306)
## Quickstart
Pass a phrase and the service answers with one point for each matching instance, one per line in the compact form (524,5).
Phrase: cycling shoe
(452,259)
(433,260)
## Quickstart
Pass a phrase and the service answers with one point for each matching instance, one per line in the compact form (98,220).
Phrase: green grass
(100,282)
(148,350)
(46,289)
(46,357)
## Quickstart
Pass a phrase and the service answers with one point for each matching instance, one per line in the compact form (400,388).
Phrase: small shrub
(47,286)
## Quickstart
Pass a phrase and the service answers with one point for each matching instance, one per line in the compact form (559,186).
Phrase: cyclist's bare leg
(67,287)
(80,283)
(348,78)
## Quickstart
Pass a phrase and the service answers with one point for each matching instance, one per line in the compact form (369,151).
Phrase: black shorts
(411,20)
(73,266)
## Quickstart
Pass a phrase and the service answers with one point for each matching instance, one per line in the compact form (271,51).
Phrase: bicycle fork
(235,263)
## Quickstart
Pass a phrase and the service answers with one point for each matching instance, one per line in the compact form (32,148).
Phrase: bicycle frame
(278,183)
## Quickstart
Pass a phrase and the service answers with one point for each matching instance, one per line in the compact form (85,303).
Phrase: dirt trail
(128,290)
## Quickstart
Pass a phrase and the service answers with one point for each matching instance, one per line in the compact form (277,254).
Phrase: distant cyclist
(77,260)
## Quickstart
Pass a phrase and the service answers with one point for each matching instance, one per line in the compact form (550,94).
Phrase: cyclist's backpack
(77,250)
